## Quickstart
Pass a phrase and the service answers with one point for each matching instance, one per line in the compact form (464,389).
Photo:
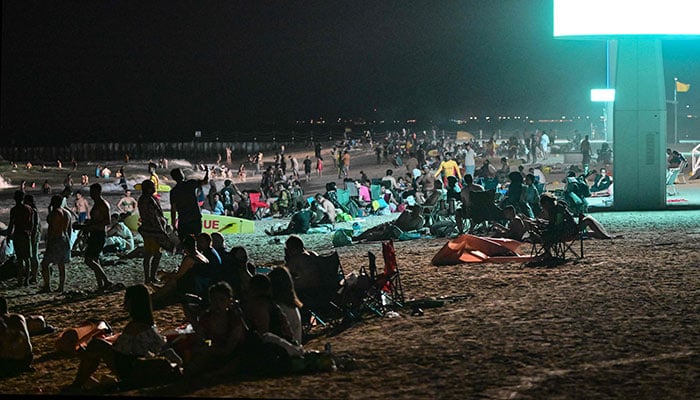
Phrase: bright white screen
(606,95)
(626,17)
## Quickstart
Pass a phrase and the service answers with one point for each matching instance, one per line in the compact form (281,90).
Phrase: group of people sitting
(243,320)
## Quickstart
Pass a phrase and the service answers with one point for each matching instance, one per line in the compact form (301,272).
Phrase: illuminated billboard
(615,18)
(603,95)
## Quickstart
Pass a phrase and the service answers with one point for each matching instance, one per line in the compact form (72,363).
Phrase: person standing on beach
(81,207)
(185,214)
(307,168)
(20,231)
(34,239)
(153,229)
(127,204)
(96,227)
(346,164)
(57,243)
(585,154)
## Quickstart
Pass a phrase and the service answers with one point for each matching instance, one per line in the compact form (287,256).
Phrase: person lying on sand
(410,219)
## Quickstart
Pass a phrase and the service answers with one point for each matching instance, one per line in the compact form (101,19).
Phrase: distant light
(603,95)
(605,18)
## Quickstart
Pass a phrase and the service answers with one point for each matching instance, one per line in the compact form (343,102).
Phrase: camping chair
(561,247)
(324,304)
(681,172)
(671,176)
(259,208)
(375,191)
(343,199)
(385,289)
(430,207)
(483,210)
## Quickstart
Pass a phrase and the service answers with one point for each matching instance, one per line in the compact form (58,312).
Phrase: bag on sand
(342,237)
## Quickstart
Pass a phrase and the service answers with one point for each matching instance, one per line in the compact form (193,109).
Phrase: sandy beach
(622,322)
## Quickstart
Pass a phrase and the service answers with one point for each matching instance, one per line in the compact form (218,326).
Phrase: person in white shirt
(544,144)
(469,159)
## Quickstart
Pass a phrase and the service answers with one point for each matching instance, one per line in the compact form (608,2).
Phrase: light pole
(675,110)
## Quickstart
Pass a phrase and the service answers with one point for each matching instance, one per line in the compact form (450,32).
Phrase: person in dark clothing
(300,223)
(185,214)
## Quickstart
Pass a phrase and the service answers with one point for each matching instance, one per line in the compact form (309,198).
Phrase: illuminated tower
(636,29)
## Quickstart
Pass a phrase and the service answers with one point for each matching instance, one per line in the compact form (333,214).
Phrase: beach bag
(343,217)
(342,237)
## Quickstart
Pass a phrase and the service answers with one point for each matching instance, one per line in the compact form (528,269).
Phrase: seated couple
(317,213)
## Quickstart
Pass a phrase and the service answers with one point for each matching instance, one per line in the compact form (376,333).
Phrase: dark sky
(162,69)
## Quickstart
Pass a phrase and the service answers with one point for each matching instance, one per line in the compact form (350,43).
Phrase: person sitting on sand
(207,273)
(15,345)
(222,325)
(236,269)
(515,229)
(182,281)
(299,223)
(267,321)
(58,249)
(128,352)
(301,264)
(119,237)
(284,295)
(601,184)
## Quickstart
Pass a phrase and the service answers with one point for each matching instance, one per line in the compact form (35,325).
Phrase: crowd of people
(245,319)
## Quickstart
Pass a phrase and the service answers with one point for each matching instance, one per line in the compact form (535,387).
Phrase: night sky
(155,70)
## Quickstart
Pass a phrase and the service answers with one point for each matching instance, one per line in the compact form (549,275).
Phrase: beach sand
(623,322)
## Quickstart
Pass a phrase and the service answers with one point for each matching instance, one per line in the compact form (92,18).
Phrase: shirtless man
(96,227)
(81,207)
(58,249)
(464,212)
(127,204)
(20,230)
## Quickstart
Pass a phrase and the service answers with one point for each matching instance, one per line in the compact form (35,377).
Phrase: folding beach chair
(671,176)
(385,290)
(483,211)
(560,248)
(324,305)
(260,208)
(430,207)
